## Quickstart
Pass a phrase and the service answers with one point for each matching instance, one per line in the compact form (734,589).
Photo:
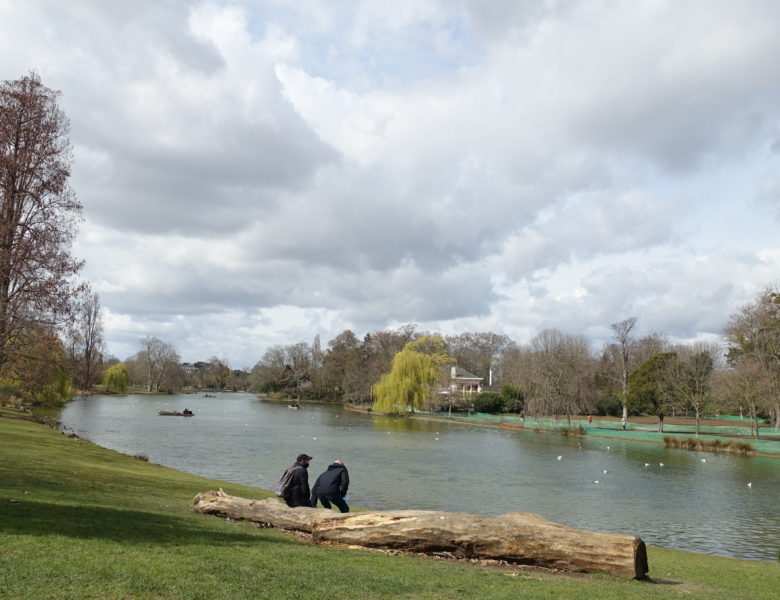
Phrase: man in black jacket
(299,489)
(332,486)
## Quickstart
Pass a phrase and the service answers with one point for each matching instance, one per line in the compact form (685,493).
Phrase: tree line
(554,373)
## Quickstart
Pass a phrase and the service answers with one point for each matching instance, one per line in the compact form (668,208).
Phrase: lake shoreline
(400,464)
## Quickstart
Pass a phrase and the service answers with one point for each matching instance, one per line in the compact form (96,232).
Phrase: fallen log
(522,538)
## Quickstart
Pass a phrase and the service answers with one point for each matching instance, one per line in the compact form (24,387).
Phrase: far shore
(607,428)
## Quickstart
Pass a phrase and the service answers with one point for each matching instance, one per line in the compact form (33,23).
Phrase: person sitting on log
(332,486)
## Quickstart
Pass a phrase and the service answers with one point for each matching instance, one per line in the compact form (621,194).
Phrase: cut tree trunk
(523,538)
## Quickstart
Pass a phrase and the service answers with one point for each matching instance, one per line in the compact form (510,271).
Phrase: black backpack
(284,486)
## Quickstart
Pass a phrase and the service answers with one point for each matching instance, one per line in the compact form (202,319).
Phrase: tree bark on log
(523,538)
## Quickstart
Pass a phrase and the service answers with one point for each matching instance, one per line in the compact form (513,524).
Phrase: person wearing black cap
(299,490)
(332,486)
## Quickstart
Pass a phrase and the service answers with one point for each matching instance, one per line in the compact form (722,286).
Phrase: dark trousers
(293,502)
(337,500)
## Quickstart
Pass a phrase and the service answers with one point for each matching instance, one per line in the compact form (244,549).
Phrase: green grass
(79,521)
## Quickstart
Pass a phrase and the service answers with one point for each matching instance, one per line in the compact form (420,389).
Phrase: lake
(695,501)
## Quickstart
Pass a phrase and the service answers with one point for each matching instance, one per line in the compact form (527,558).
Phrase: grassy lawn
(79,521)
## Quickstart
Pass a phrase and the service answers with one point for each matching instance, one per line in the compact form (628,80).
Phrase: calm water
(399,463)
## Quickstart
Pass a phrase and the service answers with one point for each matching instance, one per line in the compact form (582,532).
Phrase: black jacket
(332,483)
(299,490)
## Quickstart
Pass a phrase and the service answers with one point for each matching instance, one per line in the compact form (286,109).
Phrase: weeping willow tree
(116,378)
(412,376)
(407,384)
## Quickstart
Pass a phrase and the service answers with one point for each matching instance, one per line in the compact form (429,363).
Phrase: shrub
(488,402)
(609,406)
(708,445)
(512,398)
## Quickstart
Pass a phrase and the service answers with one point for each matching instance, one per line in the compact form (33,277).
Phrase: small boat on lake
(175,413)
(293,406)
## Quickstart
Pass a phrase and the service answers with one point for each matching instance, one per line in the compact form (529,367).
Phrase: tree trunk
(523,538)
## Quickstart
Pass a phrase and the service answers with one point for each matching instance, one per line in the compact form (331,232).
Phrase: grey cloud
(587,226)
(498,18)
(546,152)
(202,192)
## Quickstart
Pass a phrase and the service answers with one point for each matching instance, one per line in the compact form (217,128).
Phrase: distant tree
(753,335)
(434,346)
(85,339)
(408,384)
(377,352)
(115,379)
(217,373)
(479,353)
(162,364)
(38,368)
(345,365)
(649,345)
(690,378)
(649,390)
(390,342)
(266,375)
(746,388)
(238,379)
(511,398)
(559,374)
(39,214)
(621,350)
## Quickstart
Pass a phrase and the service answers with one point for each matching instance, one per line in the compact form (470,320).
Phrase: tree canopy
(38,213)
(116,378)
(412,376)
(648,390)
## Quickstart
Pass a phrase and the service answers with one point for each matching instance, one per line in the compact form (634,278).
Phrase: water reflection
(401,463)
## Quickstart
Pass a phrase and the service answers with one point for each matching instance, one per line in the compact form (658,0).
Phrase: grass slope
(79,521)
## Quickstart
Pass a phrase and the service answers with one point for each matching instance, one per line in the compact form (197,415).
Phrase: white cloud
(257,172)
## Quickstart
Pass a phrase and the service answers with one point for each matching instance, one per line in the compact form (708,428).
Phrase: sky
(256,173)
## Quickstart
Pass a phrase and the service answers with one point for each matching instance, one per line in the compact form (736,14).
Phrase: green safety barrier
(733,418)
(633,431)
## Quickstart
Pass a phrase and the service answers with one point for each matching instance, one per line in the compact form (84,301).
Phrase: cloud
(258,172)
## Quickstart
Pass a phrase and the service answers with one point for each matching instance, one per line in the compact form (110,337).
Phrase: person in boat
(187,411)
(299,489)
(332,486)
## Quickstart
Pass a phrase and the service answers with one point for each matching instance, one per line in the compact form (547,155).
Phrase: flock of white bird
(660,464)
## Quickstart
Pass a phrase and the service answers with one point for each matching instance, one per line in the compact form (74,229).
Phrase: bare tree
(159,359)
(85,337)
(754,334)
(39,213)
(749,386)
(690,377)
(557,374)
(479,353)
(624,344)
